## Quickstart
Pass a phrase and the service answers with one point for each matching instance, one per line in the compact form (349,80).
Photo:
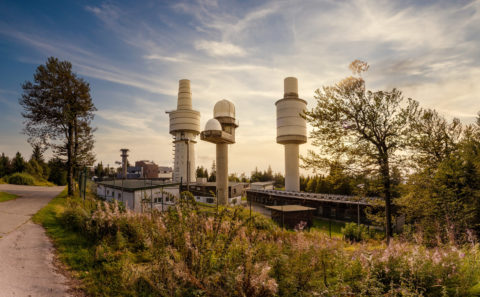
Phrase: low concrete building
(268,185)
(206,192)
(139,194)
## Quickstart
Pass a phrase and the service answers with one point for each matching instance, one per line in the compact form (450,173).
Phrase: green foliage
(259,176)
(26,179)
(23,172)
(326,226)
(197,251)
(21,179)
(442,197)
(356,233)
(7,196)
(5,166)
(58,111)
(202,172)
(18,163)
(58,173)
(363,130)
(100,171)
(37,153)
(34,168)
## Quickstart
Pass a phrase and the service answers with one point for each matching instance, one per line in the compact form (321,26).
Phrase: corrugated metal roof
(131,185)
(290,208)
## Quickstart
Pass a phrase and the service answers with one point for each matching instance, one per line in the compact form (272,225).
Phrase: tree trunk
(70,166)
(385,172)
(75,147)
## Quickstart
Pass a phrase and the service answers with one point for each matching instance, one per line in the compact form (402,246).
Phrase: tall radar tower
(184,126)
(291,130)
(221,131)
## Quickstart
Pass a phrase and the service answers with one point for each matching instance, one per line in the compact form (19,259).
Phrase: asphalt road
(26,253)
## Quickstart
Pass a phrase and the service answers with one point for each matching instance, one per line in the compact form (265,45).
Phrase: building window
(210,200)
(119,195)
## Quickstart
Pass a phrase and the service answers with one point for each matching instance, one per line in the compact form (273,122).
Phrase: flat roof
(290,208)
(131,185)
(264,183)
(213,184)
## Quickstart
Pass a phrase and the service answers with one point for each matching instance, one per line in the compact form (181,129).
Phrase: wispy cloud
(242,53)
(223,49)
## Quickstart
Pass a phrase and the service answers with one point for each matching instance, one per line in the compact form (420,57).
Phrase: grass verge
(73,249)
(7,196)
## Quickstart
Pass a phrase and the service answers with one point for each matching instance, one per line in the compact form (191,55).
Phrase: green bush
(21,179)
(355,233)
(75,219)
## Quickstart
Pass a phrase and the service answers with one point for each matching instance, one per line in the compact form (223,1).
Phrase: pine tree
(18,163)
(58,110)
(5,165)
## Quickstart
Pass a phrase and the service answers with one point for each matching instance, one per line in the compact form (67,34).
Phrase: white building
(139,195)
(268,185)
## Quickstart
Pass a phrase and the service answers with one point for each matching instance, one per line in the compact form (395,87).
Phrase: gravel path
(26,253)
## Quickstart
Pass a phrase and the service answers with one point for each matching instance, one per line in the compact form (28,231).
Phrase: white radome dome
(213,125)
(224,108)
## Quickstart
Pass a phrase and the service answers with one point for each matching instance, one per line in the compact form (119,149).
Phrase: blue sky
(134,53)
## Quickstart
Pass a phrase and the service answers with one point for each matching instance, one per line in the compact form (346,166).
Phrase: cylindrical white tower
(291,130)
(221,131)
(184,126)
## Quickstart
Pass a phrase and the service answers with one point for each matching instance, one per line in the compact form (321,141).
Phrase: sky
(134,52)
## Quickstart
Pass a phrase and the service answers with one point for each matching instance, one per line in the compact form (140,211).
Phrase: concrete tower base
(222,173)
(184,161)
(292,172)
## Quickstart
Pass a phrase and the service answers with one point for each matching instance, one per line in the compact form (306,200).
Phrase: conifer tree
(58,111)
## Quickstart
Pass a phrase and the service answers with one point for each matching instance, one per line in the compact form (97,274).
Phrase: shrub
(21,179)
(75,219)
(355,233)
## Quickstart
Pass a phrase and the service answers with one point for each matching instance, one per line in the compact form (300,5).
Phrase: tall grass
(195,251)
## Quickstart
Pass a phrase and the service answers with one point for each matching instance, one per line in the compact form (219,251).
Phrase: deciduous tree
(363,129)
